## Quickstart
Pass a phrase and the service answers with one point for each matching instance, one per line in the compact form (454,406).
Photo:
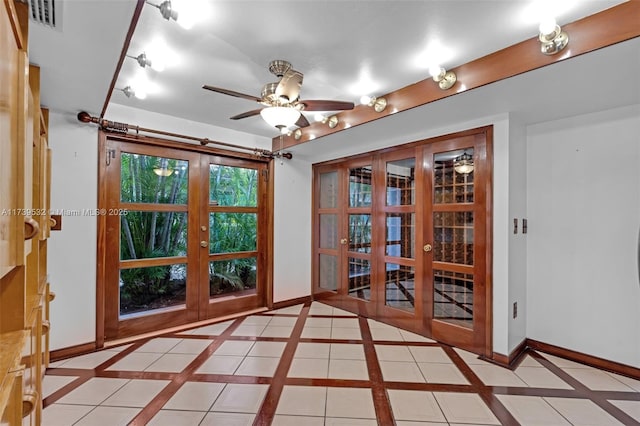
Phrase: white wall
(583,185)
(517,242)
(501,229)
(72,251)
(292,229)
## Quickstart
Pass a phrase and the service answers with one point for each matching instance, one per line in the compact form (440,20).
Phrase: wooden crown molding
(611,26)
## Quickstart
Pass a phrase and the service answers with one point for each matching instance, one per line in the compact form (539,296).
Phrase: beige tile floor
(307,366)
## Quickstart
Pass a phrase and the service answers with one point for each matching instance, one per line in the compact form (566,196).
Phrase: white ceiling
(336,45)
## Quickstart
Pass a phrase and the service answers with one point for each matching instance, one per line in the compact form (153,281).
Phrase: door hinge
(265,174)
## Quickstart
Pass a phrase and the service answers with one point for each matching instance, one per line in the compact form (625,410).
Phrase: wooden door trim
(102,202)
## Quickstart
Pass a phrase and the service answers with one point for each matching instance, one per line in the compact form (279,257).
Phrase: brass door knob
(203,244)
(427,248)
(343,241)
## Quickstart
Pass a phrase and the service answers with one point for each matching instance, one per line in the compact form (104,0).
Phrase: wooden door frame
(102,203)
(485,132)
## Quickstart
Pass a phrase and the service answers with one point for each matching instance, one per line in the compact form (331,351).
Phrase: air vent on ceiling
(46,12)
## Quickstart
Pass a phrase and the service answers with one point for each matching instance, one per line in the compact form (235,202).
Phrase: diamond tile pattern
(313,364)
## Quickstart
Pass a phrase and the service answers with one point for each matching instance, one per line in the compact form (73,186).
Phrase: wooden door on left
(171,223)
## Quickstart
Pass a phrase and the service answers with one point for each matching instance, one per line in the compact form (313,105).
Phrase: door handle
(203,244)
(343,241)
(427,248)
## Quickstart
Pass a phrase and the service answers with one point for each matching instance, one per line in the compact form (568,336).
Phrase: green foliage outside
(155,234)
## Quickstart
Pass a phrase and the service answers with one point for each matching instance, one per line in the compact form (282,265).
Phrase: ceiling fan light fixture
(280,116)
(463,164)
(163,171)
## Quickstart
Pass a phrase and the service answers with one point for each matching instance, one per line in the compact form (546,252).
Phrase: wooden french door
(401,236)
(456,238)
(183,236)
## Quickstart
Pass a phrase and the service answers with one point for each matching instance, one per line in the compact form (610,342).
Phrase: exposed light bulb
(140,93)
(157,64)
(435,70)
(365,99)
(547,26)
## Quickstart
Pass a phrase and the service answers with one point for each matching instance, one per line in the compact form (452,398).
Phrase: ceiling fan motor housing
(279,67)
(269,93)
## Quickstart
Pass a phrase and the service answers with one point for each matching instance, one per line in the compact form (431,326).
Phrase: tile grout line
(156,404)
(583,390)
(498,409)
(269,405)
(381,402)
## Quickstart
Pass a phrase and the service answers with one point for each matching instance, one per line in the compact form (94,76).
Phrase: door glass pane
(453,237)
(360,233)
(401,233)
(453,177)
(400,286)
(328,272)
(232,232)
(232,276)
(233,186)
(401,182)
(328,231)
(149,179)
(453,297)
(328,190)
(146,289)
(360,187)
(153,234)
(360,278)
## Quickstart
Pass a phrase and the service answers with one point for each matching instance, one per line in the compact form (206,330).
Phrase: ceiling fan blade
(246,114)
(302,121)
(317,105)
(231,93)
(289,86)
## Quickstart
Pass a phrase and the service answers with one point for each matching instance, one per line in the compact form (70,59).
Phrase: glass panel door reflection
(328,228)
(453,243)
(233,230)
(400,222)
(359,232)
(153,233)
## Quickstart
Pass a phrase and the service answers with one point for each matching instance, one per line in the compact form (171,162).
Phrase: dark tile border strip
(497,408)
(381,403)
(151,409)
(585,392)
(270,404)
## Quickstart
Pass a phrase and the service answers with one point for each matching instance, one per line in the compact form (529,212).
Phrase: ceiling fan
(281,100)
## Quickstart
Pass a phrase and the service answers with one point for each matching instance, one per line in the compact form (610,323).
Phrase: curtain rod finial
(84,116)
